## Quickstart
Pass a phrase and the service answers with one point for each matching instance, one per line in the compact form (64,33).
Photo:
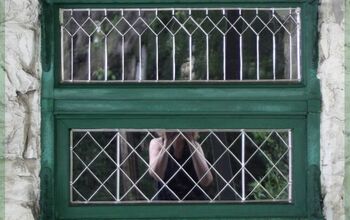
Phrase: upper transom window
(180,44)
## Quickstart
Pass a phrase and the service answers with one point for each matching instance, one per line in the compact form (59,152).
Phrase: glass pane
(147,165)
(169,44)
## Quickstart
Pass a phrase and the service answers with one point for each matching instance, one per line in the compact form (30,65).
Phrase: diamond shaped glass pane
(140,26)
(190,25)
(241,25)
(207,25)
(157,25)
(275,147)
(173,25)
(71,26)
(123,26)
(86,149)
(274,24)
(89,26)
(106,26)
(86,184)
(224,25)
(257,25)
(103,166)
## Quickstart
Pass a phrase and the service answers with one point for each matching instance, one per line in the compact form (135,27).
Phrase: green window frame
(230,105)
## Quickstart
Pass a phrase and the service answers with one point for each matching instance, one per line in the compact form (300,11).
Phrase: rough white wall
(23,107)
(331,73)
(22,114)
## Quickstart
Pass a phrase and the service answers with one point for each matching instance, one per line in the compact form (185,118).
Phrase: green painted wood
(263,218)
(310,49)
(313,140)
(47,198)
(314,199)
(183,122)
(179,107)
(313,119)
(171,92)
(175,2)
(313,169)
(177,211)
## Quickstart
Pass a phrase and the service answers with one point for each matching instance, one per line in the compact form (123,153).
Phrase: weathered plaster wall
(22,114)
(331,73)
(347,111)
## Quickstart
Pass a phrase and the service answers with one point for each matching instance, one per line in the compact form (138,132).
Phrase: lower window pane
(174,165)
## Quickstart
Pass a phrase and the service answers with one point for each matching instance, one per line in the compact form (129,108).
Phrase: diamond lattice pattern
(169,44)
(113,166)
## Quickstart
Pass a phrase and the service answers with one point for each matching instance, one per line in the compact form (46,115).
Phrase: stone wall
(23,107)
(331,73)
(22,114)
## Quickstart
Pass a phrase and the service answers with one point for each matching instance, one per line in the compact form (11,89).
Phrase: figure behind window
(178,164)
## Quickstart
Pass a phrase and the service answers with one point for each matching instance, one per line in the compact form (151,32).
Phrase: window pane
(169,44)
(128,165)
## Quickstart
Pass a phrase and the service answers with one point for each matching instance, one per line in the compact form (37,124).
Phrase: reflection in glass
(128,165)
(199,44)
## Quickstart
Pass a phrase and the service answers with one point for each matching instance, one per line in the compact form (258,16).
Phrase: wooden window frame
(182,105)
